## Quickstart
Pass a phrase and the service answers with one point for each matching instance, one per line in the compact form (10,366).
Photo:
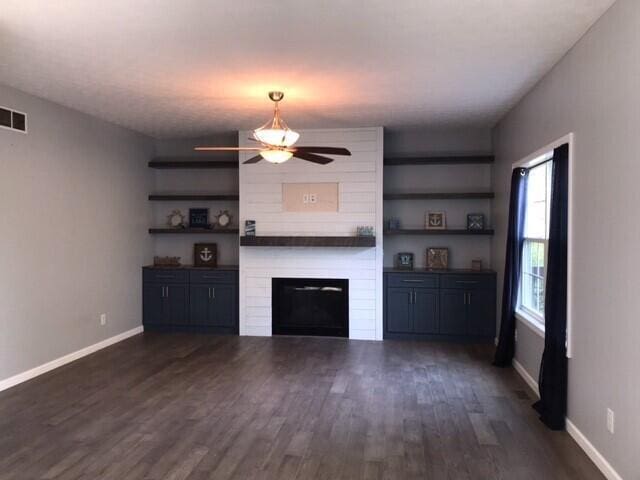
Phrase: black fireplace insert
(310,306)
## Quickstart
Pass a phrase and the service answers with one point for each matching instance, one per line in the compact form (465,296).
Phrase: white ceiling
(180,68)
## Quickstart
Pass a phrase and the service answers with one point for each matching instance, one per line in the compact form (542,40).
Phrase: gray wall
(440,178)
(593,92)
(73,236)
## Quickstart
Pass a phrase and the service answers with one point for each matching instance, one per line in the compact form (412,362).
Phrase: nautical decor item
(437,258)
(166,261)
(250,228)
(475,221)
(199,218)
(175,219)
(404,261)
(205,255)
(223,219)
(436,221)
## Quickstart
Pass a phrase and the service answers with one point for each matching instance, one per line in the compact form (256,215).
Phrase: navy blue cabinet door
(453,312)
(200,304)
(224,305)
(425,311)
(399,310)
(481,313)
(153,303)
(177,304)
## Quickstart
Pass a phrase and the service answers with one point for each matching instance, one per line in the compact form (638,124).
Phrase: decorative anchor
(205,255)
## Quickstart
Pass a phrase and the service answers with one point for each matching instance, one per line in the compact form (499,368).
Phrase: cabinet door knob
(213,292)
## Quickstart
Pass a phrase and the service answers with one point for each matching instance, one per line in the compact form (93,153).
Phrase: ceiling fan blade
(327,150)
(226,149)
(310,157)
(255,159)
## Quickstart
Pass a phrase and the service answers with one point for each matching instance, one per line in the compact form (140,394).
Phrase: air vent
(13,120)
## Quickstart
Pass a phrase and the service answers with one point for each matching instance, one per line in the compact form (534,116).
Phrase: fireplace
(310,306)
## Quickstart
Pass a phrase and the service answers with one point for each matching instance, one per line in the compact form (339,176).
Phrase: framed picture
(205,255)
(250,228)
(404,261)
(476,265)
(199,218)
(393,224)
(436,221)
(437,258)
(475,221)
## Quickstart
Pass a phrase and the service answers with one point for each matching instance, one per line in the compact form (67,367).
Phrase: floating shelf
(178,197)
(438,196)
(264,241)
(452,160)
(449,231)
(206,231)
(192,162)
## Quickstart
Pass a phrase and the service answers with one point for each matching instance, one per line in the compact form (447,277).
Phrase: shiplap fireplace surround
(359,178)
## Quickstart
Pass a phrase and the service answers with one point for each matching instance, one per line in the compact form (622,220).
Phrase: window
(536,237)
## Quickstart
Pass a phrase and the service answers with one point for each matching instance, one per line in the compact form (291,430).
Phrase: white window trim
(530,319)
(532,160)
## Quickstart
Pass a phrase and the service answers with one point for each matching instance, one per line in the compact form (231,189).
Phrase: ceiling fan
(276,141)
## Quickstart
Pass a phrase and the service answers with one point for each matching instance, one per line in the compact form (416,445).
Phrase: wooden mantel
(306,241)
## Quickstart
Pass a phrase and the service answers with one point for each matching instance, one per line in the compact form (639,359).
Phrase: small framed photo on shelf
(437,258)
(250,228)
(392,224)
(199,218)
(404,261)
(436,221)
(205,255)
(476,265)
(475,221)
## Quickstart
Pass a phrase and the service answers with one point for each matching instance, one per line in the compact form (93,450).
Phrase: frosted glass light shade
(276,156)
(276,137)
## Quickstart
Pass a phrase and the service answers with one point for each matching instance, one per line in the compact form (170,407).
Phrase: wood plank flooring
(178,406)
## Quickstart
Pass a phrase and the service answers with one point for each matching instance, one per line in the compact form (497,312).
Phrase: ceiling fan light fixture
(276,156)
(278,137)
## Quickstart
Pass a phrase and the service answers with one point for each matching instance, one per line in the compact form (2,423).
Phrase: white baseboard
(582,441)
(591,451)
(529,380)
(58,362)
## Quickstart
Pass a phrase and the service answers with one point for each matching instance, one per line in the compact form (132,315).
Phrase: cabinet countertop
(451,271)
(191,267)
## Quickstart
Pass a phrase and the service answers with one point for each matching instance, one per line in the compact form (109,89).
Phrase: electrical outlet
(313,198)
(305,198)
(103,319)
(611,421)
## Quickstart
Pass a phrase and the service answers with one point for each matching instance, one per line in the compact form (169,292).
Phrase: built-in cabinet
(439,305)
(190,299)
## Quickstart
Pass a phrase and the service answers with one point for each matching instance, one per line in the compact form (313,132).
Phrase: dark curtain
(515,238)
(553,370)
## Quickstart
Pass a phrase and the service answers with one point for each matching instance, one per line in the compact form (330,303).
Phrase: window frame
(530,315)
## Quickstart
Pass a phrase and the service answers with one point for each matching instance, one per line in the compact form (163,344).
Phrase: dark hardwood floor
(197,407)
